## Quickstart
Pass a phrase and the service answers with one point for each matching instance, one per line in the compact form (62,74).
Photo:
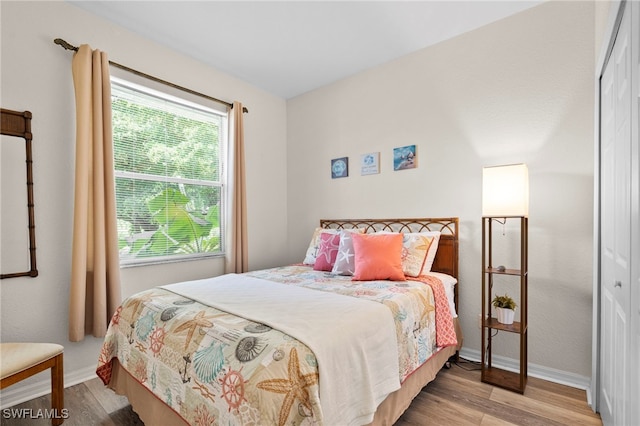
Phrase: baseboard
(20,393)
(534,370)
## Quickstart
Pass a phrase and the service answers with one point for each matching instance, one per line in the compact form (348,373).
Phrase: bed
(299,344)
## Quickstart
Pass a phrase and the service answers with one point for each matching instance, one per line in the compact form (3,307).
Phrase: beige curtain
(237,258)
(95,270)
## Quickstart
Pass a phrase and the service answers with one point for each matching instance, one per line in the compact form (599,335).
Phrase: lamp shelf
(515,327)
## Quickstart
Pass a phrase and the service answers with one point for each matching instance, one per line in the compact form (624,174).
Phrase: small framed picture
(339,167)
(370,163)
(405,158)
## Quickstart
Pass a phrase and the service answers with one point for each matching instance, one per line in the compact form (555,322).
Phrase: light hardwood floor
(456,397)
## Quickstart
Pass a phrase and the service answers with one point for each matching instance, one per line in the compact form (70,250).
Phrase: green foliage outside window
(167,162)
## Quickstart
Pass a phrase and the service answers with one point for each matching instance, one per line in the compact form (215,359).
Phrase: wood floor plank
(488,420)
(84,408)
(436,410)
(552,411)
(496,409)
(560,399)
(567,391)
(469,383)
(113,403)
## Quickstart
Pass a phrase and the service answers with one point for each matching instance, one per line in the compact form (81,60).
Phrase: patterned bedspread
(212,367)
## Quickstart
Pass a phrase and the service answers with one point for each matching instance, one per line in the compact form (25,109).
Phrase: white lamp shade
(505,191)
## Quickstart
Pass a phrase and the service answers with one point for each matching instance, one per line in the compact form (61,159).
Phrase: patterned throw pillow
(433,248)
(414,253)
(327,251)
(314,245)
(345,260)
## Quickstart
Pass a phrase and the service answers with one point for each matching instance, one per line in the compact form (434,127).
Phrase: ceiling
(290,47)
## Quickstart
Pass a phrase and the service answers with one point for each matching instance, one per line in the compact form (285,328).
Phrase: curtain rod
(69,46)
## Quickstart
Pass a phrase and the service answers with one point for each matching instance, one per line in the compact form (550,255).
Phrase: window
(168,168)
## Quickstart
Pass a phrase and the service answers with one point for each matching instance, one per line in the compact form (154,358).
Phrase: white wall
(519,90)
(36,76)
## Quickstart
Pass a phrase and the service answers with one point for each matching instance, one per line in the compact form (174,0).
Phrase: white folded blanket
(354,340)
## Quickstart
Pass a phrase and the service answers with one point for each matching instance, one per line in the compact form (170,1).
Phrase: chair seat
(17,357)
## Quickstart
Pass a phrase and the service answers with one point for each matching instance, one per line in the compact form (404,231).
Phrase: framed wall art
(405,158)
(339,167)
(370,163)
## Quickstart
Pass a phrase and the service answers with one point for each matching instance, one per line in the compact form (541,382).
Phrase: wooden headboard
(446,260)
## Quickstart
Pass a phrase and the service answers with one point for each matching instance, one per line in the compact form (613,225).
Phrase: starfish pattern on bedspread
(200,320)
(294,387)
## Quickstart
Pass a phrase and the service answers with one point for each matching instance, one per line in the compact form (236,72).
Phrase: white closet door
(615,281)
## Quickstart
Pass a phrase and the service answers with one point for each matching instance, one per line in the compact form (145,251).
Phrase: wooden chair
(21,360)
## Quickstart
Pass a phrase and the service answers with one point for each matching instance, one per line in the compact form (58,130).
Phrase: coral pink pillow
(378,257)
(327,251)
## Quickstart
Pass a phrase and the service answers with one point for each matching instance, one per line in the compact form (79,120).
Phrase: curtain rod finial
(64,44)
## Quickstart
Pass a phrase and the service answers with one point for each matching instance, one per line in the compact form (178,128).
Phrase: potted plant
(505,307)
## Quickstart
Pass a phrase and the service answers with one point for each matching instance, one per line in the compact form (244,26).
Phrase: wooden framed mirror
(17,223)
